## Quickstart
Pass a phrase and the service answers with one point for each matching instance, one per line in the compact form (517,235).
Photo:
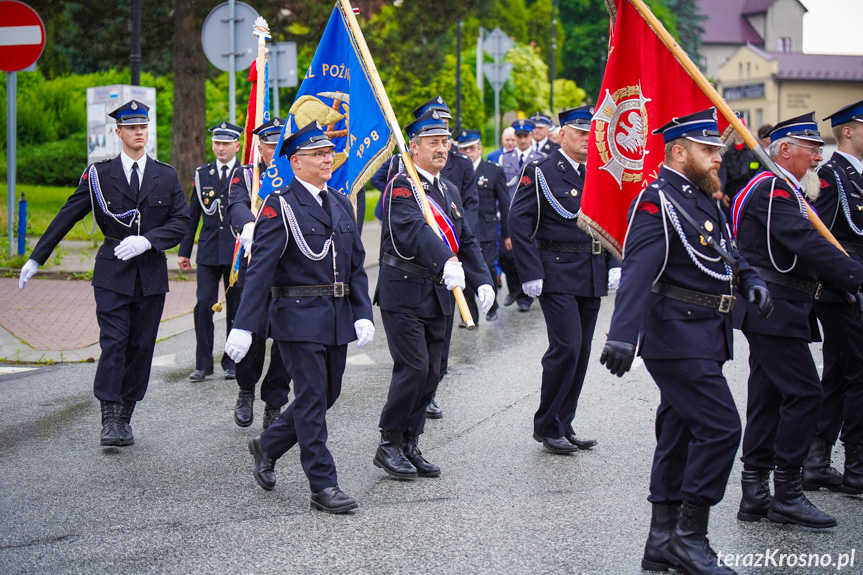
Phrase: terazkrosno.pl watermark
(777,558)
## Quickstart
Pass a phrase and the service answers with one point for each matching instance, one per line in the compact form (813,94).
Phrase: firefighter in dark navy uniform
(840,203)
(675,300)
(542,125)
(209,201)
(277,382)
(306,279)
(139,205)
(774,234)
(417,270)
(493,200)
(566,269)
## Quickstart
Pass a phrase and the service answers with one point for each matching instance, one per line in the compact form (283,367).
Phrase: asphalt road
(183,499)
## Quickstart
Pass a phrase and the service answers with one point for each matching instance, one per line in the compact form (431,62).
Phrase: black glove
(617,356)
(760,296)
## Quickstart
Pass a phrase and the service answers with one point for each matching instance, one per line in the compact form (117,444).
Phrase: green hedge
(58,163)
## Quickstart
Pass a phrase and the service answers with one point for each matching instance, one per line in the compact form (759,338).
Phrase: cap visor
(708,140)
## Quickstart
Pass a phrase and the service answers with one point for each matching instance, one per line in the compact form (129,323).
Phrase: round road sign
(22,36)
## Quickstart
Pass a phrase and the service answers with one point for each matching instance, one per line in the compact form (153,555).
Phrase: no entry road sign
(22,36)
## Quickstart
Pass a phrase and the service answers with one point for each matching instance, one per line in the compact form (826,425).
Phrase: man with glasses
(774,234)
(141,210)
(277,382)
(840,202)
(308,256)
(209,201)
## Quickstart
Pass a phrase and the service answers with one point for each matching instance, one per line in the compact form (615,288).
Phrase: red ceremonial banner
(643,88)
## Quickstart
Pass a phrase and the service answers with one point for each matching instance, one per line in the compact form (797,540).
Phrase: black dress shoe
(230,373)
(243,414)
(523,307)
(332,500)
(198,375)
(555,444)
(265,467)
(433,411)
(111,434)
(491,316)
(124,423)
(271,414)
(509,300)
(390,456)
(415,456)
(583,444)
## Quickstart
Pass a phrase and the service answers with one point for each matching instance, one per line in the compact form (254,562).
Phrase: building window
(785,44)
(740,70)
(748,70)
(744,115)
(759,117)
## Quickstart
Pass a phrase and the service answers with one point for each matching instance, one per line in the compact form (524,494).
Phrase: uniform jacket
(493,198)
(548,147)
(791,235)
(668,328)
(325,320)
(582,274)
(494,156)
(240,197)
(216,242)
(509,163)
(406,234)
(829,208)
(164,221)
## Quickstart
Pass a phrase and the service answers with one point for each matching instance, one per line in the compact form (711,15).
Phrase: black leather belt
(593,247)
(784,280)
(338,289)
(852,248)
(415,269)
(111,241)
(721,303)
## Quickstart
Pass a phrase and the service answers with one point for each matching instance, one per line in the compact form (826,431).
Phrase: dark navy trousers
(415,345)
(506,261)
(570,321)
(842,379)
(128,326)
(697,432)
(318,371)
(207,296)
(276,384)
(784,398)
(489,254)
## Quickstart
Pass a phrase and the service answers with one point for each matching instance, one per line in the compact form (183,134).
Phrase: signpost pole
(11,141)
(232,72)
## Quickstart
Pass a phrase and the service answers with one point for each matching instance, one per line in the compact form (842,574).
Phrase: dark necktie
(224,175)
(325,202)
(520,160)
(581,171)
(134,181)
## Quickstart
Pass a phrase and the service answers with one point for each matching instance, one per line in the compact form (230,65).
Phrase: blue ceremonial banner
(337,91)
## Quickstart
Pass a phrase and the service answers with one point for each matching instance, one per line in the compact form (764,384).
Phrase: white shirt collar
(229,164)
(316,192)
(794,180)
(426,174)
(678,173)
(855,163)
(538,145)
(127,167)
(571,161)
(476,163)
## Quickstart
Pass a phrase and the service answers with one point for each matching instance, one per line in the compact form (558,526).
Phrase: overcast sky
(833,27)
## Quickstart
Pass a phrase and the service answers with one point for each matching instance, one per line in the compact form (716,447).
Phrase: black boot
(789,505)
(111,436)
(852,482)
(391,457)
(415,456)
(817,469)
(265,466)
(126,410)
(688,549)
(755,502)
(243,414)
(271,414)
(663,518)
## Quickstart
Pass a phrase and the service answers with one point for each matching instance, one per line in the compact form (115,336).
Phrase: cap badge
(223,125)
(318,125)
(276,122)
(591,110)
(134,105)
(435,115)
(439,100)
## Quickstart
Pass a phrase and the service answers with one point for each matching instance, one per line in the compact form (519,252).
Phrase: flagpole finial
(262,29)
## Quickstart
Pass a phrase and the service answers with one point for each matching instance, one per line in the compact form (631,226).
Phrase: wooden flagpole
(403,151)
(724,108)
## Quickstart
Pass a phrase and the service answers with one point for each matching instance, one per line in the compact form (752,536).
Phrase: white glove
(485,293)
(27,272)
(132,246)
(365,330)
(453,275)
(246,237)
(533,288)
(613,279)
(238,344)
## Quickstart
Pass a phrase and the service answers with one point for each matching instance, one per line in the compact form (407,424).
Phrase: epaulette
(201,167)
(459,155)
(163,163)
(103,161)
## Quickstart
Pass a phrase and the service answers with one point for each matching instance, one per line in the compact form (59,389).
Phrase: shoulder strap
(711,243)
